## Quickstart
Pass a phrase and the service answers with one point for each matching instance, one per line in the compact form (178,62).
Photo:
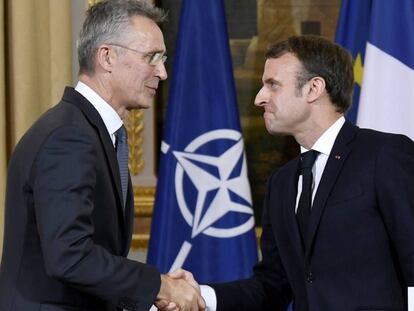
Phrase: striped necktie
(122,157)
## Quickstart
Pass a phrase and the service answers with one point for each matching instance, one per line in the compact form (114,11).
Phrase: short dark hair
(321,58)
(108,21)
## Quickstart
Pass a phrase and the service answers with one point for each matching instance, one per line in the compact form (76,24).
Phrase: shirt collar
(108,114)
(325,143)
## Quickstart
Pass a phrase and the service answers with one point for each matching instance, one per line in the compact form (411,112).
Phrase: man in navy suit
(338,232)
(69,203)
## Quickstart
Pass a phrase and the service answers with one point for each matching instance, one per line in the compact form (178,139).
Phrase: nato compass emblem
(217,193)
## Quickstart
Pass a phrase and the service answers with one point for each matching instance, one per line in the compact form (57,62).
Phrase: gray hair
(107,21)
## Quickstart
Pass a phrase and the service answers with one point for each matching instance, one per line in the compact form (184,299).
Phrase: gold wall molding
(143,206)
(144,201)
(135,127)
(92,2)
(140,241)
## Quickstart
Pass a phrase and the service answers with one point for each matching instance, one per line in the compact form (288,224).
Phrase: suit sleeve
(268,288)
(64,177)
(395,191)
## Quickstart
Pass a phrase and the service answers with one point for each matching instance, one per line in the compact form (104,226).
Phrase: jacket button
(310,277)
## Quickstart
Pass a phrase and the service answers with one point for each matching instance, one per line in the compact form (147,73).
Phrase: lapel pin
(337,157)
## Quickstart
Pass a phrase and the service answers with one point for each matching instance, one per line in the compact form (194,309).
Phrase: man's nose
(260,99)
(161,72)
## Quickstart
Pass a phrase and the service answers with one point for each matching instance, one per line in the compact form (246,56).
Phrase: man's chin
(142,104)
(272,130)
(147,101)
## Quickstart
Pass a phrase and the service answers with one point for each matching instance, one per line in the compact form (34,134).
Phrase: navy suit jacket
(360,248)
(66,231)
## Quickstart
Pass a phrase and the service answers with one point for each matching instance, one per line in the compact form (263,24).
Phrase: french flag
(380,36)
(387,93)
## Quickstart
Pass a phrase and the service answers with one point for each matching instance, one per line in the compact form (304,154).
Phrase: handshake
(179,292)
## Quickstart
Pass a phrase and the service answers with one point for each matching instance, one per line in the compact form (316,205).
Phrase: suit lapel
(290,205)
(337,158)
(75,98)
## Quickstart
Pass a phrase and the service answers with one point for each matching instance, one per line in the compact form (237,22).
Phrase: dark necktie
(305,200)
(122,156)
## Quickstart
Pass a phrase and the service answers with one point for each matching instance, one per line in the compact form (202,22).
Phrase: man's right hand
(181,293)
(185,275)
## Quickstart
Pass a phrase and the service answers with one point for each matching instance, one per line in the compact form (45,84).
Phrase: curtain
(3,145)
(35,66)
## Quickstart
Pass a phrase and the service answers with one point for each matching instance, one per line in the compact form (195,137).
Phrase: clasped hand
(179,292)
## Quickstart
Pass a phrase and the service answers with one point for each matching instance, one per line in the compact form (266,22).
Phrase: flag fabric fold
(386,102)
(203,217)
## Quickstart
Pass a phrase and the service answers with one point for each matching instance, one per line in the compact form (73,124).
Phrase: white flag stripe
(387,101)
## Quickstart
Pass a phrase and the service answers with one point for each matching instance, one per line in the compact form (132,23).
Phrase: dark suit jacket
(360,248)
(66,232)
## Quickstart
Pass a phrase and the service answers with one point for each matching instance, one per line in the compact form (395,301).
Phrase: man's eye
(150,57)
(155,58)
(273,85)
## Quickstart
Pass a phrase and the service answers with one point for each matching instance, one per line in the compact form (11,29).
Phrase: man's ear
(105,57)
(316,88)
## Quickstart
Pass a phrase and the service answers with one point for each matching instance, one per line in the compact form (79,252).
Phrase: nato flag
(203,217)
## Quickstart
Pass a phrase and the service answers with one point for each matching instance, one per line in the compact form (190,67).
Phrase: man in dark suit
(69,202)
(338,223)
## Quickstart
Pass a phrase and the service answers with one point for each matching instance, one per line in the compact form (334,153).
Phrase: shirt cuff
(209,296)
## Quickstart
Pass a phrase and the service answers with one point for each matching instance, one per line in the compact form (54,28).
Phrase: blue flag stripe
(352,33)
(353,25)
(391,25)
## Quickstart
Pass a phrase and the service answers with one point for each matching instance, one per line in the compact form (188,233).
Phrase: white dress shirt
(108,114)
(324,146)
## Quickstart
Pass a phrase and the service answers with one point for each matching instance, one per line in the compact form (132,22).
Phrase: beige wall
(35,65)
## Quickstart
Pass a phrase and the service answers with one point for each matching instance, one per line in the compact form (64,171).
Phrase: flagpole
(182,256)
